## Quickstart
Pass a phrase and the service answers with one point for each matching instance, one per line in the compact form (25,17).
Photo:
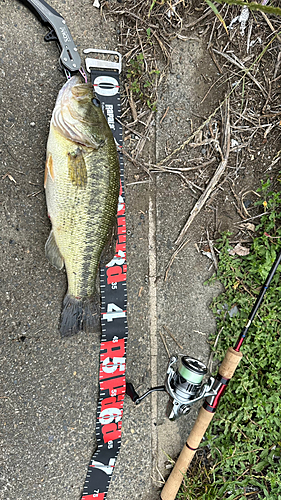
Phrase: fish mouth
(67,87)
(67,121)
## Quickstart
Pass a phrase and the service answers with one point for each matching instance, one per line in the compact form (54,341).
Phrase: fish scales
(82,183)
(82,223)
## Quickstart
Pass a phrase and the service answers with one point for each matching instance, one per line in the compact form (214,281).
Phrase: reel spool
(184,385)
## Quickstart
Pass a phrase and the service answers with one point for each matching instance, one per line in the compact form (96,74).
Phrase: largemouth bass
(82,183)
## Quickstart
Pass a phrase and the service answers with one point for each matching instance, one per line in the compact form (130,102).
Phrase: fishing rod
(225,373)
(184,386)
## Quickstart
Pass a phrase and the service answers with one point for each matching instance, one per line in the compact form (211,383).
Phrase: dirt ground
(217,97)
(238,63)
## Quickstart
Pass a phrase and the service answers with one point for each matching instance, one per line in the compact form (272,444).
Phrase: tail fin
(80,315)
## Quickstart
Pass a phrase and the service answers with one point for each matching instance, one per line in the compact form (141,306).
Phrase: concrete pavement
(49,387)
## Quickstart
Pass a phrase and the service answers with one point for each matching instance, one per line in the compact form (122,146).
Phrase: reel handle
(172,485)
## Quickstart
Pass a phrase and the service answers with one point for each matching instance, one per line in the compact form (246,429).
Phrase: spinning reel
(183,385)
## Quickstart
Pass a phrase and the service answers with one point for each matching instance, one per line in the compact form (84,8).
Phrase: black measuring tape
(112,383)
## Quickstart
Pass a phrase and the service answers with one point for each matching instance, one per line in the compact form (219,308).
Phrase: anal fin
(52,252)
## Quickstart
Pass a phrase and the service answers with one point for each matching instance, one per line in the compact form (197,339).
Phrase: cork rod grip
(174,481)
(231,361)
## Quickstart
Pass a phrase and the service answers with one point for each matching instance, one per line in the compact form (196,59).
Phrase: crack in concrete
(153,327)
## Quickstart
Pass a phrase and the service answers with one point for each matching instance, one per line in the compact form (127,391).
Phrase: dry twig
(211,246)
(176,252)
(241,66)
(215,179)
(171,335)
(165,344)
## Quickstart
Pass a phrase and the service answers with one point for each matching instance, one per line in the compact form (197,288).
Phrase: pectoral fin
(49,169)
(52,252)
(77,170)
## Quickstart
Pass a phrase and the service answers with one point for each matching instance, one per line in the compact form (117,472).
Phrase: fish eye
(96,102)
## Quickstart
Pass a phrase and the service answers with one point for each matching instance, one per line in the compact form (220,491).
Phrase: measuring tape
(112,383)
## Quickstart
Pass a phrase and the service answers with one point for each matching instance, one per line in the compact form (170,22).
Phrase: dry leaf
(233,311)
(249,226)
(239,250)
(208,254)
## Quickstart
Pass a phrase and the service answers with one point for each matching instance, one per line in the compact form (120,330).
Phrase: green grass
(142,83)
(244,440)
(255,6)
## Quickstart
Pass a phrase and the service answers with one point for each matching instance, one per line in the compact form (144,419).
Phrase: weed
(244,438)
(253,6)
(134,74)
(142,83)
(216,12)
(161,2)
(198,481)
